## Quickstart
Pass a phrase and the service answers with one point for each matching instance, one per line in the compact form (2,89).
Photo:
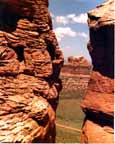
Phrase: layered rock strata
(75,73)
(30,63)
(98,103)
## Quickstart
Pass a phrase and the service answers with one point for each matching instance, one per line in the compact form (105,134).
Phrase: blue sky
(70,25)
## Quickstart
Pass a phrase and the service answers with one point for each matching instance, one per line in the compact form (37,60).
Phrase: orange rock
(94,133)
(101,84)
(99,97)
(30,64)
(98,103)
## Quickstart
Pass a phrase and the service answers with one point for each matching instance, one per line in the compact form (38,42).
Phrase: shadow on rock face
(8,19)
(10,13)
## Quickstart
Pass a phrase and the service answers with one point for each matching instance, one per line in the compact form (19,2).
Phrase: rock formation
(76,65)
(101,45)
(30,63)
(78,61)
(98,103)
(75,73)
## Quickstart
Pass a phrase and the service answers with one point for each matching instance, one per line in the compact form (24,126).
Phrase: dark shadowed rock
(101,23)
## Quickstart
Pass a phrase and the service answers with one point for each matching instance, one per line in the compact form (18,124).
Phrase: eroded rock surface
(98,103)
(30,63)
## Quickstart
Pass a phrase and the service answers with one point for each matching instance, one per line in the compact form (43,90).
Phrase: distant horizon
(69,19)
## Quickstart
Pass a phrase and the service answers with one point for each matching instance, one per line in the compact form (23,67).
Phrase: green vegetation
(69,114)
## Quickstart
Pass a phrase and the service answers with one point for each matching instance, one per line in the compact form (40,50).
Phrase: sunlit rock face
(98,103)
(30,63)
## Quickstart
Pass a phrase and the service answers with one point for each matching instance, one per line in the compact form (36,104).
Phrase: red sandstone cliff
(98,103)
(30,63)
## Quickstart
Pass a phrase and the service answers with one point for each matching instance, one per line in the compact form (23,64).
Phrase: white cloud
(72,18)
(62,32)
(82,34)
(82,18)
(61,19)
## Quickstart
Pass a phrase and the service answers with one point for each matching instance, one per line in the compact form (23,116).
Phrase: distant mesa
(75,73)
(78,60)
(76,65)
